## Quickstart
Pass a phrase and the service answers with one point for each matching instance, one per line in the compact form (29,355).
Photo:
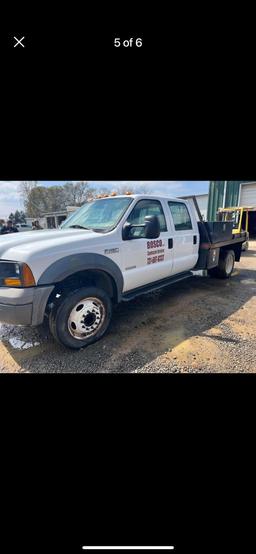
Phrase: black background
(127,459)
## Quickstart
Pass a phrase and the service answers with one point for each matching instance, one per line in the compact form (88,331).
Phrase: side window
(141,210)
(180,215)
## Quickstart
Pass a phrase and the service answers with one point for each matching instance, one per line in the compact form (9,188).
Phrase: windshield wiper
(98,230)
(79,227)
(88,228)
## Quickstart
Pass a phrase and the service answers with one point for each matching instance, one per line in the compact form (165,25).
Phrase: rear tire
(225,267)
(81,318)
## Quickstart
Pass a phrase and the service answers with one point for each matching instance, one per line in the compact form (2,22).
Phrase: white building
(202,200)
(52,220)
(247,194)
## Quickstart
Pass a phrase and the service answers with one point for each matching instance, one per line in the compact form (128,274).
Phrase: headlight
(13,274)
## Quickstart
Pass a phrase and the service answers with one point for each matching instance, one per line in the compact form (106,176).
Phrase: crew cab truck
(110,250)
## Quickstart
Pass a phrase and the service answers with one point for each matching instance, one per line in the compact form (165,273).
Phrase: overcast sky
(10,199)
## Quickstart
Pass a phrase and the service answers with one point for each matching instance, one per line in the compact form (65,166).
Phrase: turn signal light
(27,276)
(12,282)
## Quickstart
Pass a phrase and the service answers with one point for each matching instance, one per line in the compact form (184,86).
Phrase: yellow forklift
(240,218)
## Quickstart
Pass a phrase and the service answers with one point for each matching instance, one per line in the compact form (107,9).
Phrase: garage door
(248,195)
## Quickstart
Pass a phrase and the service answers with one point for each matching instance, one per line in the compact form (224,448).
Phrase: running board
(155,286)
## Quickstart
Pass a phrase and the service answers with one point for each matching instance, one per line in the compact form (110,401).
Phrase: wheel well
(236,249)
(95,278)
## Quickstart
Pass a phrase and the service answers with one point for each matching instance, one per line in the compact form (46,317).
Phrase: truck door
(185,237)
(143,260)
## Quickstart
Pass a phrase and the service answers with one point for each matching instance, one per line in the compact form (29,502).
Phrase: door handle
(194,239)
(170,243)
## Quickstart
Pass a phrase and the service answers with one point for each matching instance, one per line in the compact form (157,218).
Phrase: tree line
(39,199)
(17,217)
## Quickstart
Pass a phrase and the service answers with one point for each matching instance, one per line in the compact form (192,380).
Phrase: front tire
(225,267)
(81,318)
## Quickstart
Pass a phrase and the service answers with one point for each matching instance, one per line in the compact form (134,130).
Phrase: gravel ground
(199,325)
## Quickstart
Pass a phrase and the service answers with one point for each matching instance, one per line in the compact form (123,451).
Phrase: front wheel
(225,266)
(81,318)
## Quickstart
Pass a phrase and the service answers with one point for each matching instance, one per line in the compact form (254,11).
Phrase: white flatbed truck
(110,250)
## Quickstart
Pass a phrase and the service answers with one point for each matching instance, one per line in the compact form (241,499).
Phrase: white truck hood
(41,248)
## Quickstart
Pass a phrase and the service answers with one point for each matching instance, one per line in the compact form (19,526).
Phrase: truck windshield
(100,215)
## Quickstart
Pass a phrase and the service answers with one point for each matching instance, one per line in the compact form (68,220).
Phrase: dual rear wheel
(225,267)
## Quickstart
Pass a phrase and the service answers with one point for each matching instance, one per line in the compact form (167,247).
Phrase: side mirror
(152,227)
(126,231)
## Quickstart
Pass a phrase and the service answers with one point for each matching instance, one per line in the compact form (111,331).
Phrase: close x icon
(18,41)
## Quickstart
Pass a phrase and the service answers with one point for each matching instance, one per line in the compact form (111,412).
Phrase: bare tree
(78,193)
(40,199)
(25,190)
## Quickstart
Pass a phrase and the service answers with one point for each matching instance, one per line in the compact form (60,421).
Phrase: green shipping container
(222,194)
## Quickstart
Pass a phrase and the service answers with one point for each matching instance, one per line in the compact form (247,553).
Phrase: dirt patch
(189,352)
(7,361)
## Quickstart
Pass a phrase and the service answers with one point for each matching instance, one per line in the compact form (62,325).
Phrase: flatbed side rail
(235,239)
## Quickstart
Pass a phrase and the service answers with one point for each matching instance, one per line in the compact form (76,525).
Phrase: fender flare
(68,265)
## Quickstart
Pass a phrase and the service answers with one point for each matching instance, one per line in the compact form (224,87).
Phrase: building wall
(202,200)
(247,195)
(42,221)
(223,194)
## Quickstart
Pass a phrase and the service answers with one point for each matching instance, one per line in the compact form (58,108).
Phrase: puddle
(21,344)
(18,338)
(247,281)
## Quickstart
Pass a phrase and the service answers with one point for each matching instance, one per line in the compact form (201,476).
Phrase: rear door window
(180,215)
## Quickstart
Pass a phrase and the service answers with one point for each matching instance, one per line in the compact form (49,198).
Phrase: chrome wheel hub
(86,318)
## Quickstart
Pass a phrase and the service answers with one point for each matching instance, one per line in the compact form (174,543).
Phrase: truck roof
(146,196)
